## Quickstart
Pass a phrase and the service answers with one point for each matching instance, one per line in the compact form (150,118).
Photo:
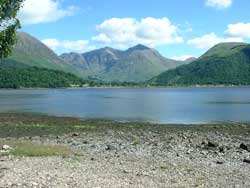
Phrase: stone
(219,162)
(221,149)
(212,144)
(125,171)
(6,148)
(246,161)
(2,159)
(204,152)
(85,142)
(34,184)
(244,147)
(75,134)
(109,147)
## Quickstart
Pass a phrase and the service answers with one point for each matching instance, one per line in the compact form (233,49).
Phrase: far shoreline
(136,87)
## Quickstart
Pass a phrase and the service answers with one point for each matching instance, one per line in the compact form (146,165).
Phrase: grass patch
(135,143)
(30,125)
(23,130)
(200,178)
(30,149)
(164,167)
(42,126)
(84,127)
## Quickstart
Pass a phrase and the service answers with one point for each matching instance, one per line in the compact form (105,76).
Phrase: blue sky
(177,28)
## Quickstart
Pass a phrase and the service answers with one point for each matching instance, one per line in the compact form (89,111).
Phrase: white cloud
(68,46)
(182,57)
(103,38)
(239,30)
(126,32)
(209,40)
(53,44)
(43,11)
(220,4)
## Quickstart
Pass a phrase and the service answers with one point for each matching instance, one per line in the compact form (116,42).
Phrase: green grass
(30,149)
(41,126)
(136,142)
(30,125)
(18,131)
(164,167)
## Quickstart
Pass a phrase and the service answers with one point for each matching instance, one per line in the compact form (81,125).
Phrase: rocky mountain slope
(136,64)
(31,52)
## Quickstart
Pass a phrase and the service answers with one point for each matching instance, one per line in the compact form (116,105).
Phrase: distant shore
(135,87)
(69,152)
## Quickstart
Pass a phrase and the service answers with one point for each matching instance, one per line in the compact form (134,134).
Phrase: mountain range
(136,64)
(225,64)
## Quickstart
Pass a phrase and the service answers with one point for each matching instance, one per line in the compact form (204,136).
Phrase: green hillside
(17,75)
(226,63)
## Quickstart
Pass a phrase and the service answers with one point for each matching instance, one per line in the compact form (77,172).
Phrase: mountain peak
(225,48)
(107,48)
(103,50)
(139,47)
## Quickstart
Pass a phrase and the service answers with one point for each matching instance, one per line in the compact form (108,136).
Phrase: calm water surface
(171,105)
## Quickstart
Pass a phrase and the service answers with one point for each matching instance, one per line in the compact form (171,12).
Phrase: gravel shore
(118,155)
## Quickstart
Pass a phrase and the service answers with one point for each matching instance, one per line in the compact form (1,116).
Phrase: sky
(178,29)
